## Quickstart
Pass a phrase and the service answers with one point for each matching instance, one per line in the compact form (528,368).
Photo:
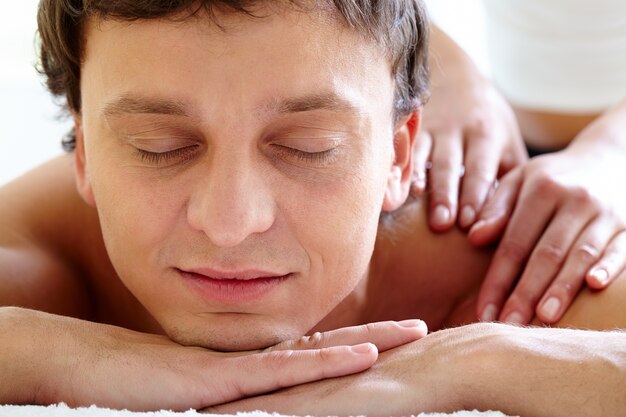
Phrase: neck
(351,311)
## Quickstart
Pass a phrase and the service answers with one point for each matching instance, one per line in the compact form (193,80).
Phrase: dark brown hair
(400,26)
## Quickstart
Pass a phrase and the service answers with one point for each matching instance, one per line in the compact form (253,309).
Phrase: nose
(231,202)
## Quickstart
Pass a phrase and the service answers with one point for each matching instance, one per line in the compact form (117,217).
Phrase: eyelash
(185,153)
(308,157)
(159,157)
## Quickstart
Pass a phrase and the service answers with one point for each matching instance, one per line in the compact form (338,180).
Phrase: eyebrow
(133,104)
(320,101)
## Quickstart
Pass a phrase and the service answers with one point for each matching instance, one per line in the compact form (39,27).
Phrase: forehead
(234,58)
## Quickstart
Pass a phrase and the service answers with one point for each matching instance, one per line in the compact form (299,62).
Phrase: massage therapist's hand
(467,126)
(563,216)
(49,358)
(485,366)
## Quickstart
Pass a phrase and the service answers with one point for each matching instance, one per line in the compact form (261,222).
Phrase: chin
(235,338)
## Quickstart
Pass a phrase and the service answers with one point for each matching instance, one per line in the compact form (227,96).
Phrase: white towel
(62,410)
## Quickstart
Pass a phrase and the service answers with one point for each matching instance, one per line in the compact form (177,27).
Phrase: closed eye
(306,157)
(176,155)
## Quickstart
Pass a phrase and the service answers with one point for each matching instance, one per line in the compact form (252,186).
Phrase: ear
(81,171)
(401,172)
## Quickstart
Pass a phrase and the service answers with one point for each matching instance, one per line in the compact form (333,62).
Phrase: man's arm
(50,243)
(485,366)
(44,230)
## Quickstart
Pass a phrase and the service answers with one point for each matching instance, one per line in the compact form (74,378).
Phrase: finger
(584,252)
(385,335)
(611,263)
(265,372)
(514,156)
(481,166)
(546,261)
(497,211)
(444,178)
(528,222)
(421,153)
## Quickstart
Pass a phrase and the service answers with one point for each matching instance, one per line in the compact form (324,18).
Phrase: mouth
(233,287)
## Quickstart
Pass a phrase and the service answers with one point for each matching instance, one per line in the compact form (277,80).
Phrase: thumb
(496,212)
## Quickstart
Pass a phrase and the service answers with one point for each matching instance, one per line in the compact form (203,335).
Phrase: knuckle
(478,173)
(280,359)
(587,253)
(513,251)
(443,163)
(544,187)
(564,288)
(315,340)
(582,197)
(481,127)
(369,329)
(550,253)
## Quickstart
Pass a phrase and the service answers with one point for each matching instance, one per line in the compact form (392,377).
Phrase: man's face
(239,174)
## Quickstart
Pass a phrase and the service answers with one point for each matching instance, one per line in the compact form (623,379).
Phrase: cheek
(136,216)
(336,224)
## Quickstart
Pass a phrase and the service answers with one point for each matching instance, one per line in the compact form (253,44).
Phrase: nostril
(228,221)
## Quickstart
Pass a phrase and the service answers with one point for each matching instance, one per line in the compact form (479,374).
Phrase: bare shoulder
(44,233)
(438,274)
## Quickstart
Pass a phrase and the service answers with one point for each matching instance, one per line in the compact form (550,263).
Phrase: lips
(232,287)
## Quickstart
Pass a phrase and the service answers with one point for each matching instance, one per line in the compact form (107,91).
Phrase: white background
(30,131)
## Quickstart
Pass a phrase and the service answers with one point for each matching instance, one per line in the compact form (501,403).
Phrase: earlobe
(401,172)
(83,185)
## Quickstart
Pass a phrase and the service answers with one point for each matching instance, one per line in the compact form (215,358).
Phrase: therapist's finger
(444,179)
(495,214)
(527,224)
(611,263)
(481,166)
(546,260)
(583,254)
(421,154)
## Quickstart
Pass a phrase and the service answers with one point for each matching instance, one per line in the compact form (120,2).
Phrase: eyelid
(159,144)
(182,154)
(310,144)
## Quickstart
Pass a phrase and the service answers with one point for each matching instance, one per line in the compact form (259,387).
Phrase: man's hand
(469,137)
(49,359)
(563,221)
(481,366)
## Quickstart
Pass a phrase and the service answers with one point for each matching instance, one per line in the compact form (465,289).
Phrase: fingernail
(441,215)
(514,318)
(490,312)
(410,323)
(478,225)
(551,307)
(362,348)
(468,215)
(601,275)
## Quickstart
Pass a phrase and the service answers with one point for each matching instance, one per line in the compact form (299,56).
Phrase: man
(235,166)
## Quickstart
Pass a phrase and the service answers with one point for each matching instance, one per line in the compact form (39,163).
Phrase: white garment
(558,55)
